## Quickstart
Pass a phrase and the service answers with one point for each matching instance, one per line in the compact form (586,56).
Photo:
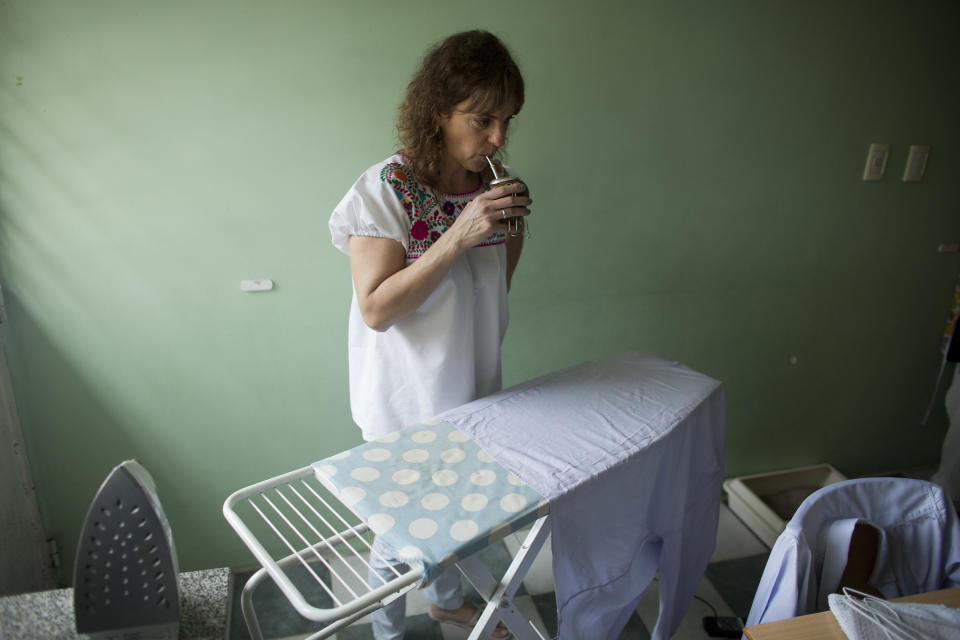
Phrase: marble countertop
(48,615)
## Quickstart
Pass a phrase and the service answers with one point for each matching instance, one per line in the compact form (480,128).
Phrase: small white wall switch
(916,162)
(256,285)
(876,161)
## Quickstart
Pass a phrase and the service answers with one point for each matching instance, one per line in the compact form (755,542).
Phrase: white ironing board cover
(431,494)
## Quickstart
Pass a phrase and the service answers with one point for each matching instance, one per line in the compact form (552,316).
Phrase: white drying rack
(306,527)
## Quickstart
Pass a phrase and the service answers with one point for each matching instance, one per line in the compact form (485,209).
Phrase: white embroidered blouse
(445,353)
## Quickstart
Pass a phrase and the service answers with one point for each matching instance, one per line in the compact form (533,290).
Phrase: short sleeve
(372,207)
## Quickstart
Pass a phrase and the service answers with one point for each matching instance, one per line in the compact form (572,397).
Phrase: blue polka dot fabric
(431,493)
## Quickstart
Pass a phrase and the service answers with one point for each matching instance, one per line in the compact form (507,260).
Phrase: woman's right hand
(388,289)
(487,214)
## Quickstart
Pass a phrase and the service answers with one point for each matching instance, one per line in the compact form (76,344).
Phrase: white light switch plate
(916,162)
(876,161)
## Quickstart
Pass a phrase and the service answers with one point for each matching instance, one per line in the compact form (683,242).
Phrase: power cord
(712,608)
(717,626)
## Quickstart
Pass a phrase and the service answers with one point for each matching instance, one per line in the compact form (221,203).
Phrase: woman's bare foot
(465,615)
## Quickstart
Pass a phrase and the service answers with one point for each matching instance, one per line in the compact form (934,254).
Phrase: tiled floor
(727,588)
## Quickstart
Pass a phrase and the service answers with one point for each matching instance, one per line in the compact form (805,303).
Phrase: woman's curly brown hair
(472,65)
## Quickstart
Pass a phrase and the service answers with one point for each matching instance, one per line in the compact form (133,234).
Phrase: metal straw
(492,168)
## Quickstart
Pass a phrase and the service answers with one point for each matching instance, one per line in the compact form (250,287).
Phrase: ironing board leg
(246,604)
(499,597)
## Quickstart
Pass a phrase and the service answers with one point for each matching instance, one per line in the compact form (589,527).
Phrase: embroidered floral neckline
(428,219)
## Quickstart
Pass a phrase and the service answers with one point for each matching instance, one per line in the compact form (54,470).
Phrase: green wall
(696,170)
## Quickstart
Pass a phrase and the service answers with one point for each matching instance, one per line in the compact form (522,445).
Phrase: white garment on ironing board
(919,544)
(629,451)
(445,353)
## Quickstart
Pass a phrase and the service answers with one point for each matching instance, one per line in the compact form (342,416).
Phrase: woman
(431,261)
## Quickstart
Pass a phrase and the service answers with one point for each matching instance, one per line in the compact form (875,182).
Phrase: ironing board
(630,443)
(429,492)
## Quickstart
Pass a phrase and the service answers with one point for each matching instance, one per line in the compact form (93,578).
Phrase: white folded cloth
(873,618)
